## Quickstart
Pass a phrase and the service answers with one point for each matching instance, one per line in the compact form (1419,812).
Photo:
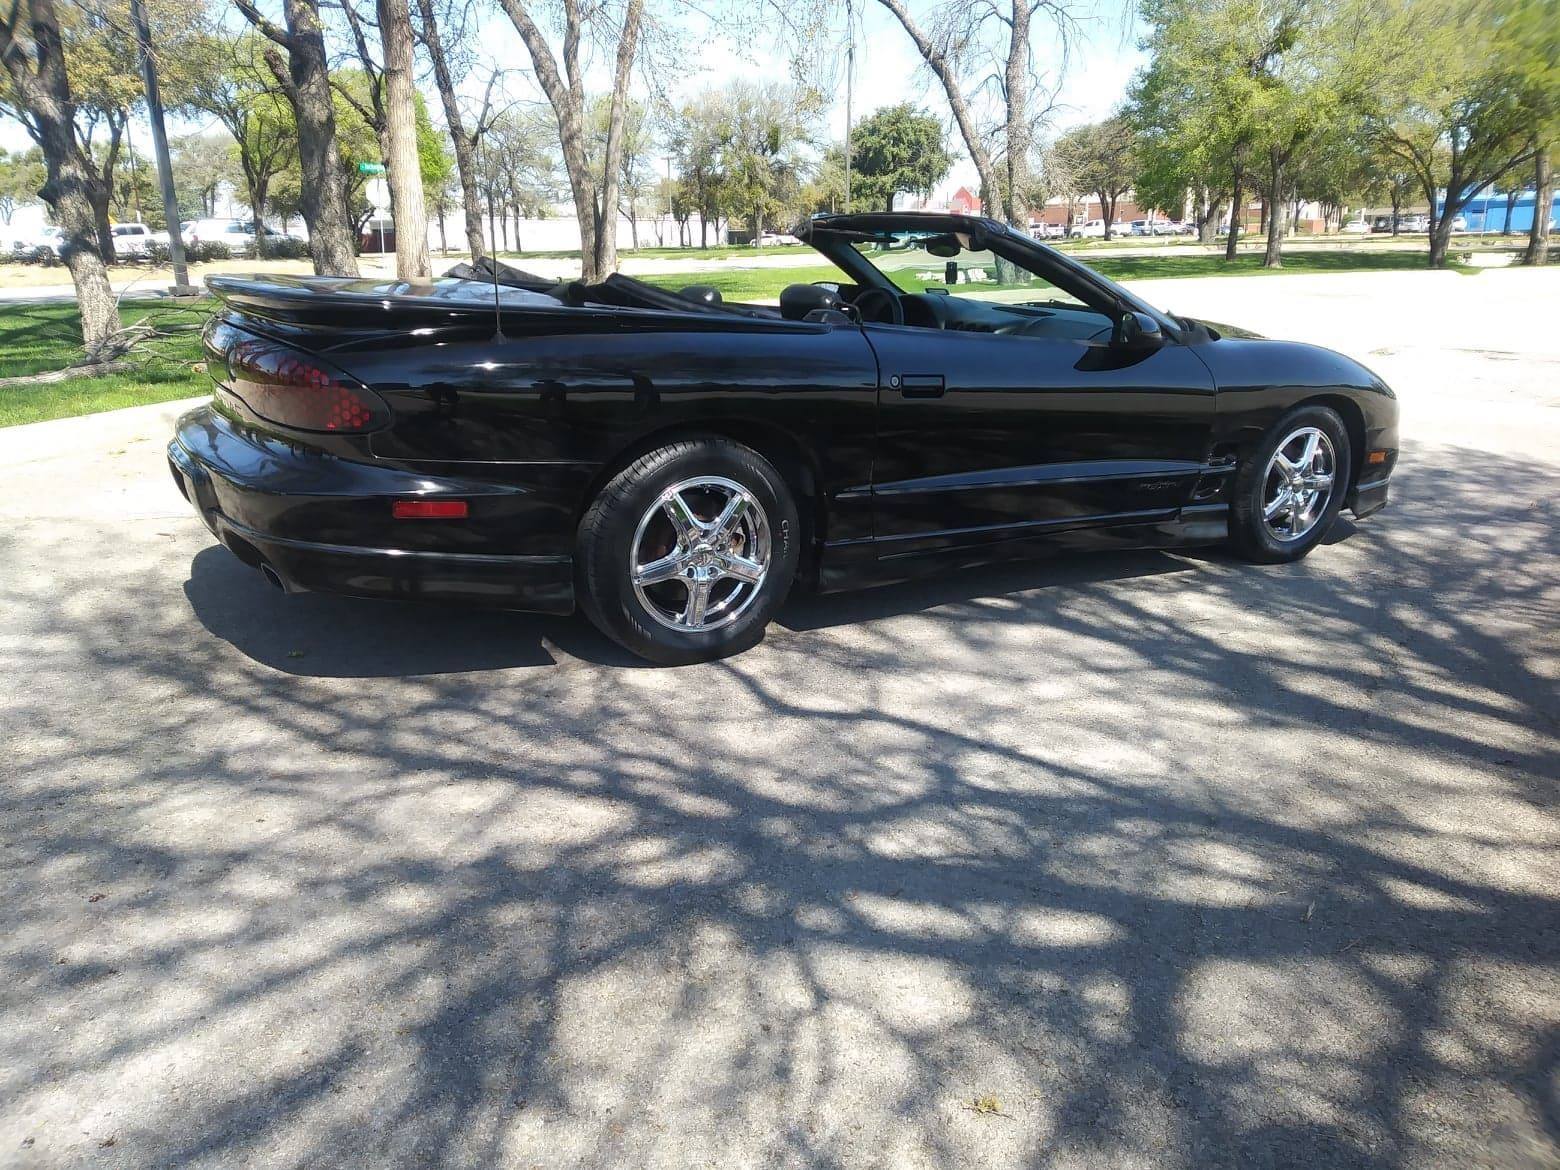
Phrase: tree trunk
(1016,90)
(465,152)
(1235,215)
(305,78)
(1511,206)
(411,215)
(1440,237)
(937,61)
(257,196)
(41,86)
(1274,202)
(1543,203)
(612,165)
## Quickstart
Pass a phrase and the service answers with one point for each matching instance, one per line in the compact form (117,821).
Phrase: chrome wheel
(1298,483)
(700,554)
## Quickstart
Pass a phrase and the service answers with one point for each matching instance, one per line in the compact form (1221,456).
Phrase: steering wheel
(881,306)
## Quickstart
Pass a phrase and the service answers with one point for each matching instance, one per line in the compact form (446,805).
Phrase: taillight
(295,389)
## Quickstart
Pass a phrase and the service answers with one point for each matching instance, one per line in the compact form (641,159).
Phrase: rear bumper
(256,507)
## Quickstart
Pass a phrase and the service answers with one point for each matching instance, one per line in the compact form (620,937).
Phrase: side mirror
(1136,331)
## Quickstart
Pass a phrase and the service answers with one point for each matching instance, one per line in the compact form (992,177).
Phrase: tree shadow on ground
(1184,862)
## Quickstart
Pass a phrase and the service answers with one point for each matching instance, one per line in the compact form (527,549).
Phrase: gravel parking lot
(1136,860)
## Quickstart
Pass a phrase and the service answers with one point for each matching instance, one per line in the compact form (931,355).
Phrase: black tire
(1250,534)
(606,553)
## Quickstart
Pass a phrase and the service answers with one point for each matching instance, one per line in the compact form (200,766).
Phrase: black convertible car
(675,464)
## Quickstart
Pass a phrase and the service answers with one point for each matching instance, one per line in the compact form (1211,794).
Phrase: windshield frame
(833,236)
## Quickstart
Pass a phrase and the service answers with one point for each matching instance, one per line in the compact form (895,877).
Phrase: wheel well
(1354,422)
(790,456)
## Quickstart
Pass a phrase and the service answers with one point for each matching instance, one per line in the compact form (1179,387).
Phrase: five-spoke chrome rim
(1298,483)
(700,554)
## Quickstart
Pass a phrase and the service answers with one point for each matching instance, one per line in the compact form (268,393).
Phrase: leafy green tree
(227,78)
(899,148)
(1458,109)
(21,178)
(765,133)
(696,136)
(1102,159)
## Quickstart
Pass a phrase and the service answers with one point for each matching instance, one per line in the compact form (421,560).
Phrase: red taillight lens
(295,389)
(430,509)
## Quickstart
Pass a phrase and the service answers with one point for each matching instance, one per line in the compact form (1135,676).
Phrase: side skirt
(855,564)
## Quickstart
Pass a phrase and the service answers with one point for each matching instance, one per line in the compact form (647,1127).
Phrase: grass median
(35,339)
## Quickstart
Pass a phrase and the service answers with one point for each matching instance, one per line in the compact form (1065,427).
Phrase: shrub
(196,253)
(286,248)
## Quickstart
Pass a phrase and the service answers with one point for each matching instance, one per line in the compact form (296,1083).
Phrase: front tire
(1291,488)
(688,551)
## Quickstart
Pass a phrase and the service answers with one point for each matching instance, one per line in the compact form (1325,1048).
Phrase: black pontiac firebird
(676,463)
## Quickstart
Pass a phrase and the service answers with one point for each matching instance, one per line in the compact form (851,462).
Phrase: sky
(888,70)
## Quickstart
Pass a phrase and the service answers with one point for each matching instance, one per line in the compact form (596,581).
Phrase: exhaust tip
(272,576)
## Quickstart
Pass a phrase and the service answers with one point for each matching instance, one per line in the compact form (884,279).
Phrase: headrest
(797,300)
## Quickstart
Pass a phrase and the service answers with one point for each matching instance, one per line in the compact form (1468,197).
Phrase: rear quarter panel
(553,409)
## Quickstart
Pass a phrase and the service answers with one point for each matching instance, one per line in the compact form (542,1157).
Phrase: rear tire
(688,551)
(1291,488)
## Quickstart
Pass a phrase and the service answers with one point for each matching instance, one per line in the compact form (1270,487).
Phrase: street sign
(368,168)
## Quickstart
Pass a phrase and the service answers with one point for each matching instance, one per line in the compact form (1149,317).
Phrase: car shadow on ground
(324,636)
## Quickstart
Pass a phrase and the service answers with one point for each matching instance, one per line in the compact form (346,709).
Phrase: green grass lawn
(38,338)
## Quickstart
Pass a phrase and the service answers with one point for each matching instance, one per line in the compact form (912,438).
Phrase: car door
(985,437)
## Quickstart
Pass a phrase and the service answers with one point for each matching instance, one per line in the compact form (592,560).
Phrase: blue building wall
(1486,212)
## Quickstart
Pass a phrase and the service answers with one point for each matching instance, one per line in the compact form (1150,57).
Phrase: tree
(228,79)
(402,157)
(1102,159)
(304,78)
(595,189)
(201,164)
(34,57)
(636,176)
(766,132)
(1454,110)
(21,175)
(465,132)
(697,132)
(962,36)
(899,148)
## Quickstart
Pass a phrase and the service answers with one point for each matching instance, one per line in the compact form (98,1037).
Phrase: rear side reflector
(290,387)
(1376,457)
(430,509)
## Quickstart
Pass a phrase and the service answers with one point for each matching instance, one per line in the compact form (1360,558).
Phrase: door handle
(921,385)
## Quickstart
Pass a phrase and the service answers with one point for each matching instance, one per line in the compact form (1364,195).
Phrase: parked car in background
(1414,223)
(1356,227)
(1093,229)
(45,246)
(131,240)
(1047,231)
(1140,227)
(1459,223)
(236,235)
(773,239)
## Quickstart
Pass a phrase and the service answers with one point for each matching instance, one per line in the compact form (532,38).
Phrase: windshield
(925,261)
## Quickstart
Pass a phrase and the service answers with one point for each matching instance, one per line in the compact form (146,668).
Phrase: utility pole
(154,114)
(850,78)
